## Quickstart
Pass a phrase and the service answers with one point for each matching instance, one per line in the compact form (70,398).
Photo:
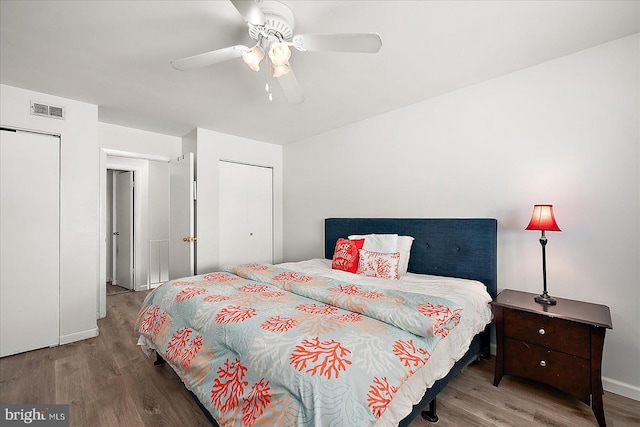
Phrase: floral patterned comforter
(262,346)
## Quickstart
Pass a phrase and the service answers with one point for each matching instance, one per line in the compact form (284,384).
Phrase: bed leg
(159,360)
(482,356)
(430,414)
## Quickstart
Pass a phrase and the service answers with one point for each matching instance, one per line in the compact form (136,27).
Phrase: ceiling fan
(271,25)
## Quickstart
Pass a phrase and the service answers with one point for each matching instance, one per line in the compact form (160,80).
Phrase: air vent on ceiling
(40,109)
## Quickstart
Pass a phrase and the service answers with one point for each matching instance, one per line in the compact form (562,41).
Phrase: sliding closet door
(29,241)
(246,214)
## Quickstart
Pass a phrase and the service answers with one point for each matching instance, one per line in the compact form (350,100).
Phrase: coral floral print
(350,365)
(444,317)
(377,264)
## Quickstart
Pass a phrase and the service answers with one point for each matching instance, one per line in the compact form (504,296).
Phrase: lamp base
(545,299)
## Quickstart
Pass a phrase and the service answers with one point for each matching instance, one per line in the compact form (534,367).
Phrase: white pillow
(404,247)
(383,243)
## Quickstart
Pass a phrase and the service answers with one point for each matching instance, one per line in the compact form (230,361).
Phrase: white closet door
(246,214)
(29,241)
(124,230)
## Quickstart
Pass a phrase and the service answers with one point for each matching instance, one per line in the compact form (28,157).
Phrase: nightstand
(559,345)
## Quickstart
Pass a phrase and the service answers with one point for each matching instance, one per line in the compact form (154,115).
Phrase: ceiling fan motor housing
(278,19)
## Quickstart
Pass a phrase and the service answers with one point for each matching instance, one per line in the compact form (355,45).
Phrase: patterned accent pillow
(345,255)
(378,264)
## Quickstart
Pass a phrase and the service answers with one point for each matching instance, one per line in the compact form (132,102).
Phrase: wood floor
(109,382)
(115,289)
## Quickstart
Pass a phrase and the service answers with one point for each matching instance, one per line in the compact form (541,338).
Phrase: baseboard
(148,287)
(78,336)
(623,389)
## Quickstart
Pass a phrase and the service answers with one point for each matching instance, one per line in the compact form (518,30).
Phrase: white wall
(158,200)
(78,201)
(138,143)
(565,132)
(210,147)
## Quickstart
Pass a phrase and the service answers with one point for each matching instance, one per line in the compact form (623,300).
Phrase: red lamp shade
(542,219)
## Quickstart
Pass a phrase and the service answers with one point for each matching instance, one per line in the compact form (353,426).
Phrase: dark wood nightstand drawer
(553,333)
(564,371)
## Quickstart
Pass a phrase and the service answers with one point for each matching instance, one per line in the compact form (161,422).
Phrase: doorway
(151,225)
(120,231)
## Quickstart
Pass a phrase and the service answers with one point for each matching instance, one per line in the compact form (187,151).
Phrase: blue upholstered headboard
(465,247)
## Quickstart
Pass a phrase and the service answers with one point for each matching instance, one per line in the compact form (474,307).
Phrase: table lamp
(542,219)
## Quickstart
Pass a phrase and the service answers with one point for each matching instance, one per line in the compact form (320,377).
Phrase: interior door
(182,242)
(246,214)
(123,233)
(29,241)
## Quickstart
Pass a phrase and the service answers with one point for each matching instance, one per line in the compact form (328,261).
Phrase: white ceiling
(116,54)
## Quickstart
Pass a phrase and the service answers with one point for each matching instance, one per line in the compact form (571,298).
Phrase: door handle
(189,239)
(117,233)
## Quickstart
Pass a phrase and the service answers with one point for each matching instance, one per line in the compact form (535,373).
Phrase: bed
(325,348)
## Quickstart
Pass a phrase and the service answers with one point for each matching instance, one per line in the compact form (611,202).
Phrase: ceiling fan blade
(250,11)
(291,88)
(355,42)
(208,58)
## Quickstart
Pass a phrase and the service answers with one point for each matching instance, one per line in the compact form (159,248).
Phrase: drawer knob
(541,331)
(543,363)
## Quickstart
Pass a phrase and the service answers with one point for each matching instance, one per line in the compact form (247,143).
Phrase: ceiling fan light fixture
(279,53)
(271,24)
(280,70)
(253,57)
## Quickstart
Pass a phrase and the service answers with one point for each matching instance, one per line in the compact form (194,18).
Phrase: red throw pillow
(345,255)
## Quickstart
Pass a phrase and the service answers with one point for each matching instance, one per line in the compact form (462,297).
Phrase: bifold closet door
(246,214)
(29,241)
